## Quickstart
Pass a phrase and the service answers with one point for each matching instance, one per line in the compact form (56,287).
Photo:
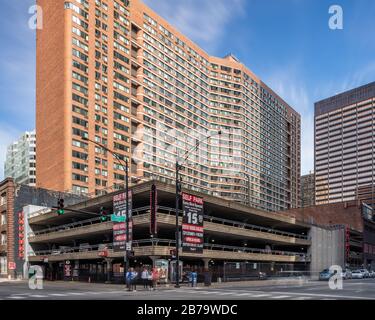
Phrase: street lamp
(125,167)
(178,190)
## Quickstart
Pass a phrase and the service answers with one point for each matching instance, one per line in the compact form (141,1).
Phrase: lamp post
(178,190)
(125,167)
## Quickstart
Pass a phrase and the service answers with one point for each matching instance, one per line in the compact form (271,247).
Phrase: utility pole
(178,191)
(125,167)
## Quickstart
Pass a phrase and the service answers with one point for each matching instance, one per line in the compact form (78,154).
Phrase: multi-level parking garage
(233,233)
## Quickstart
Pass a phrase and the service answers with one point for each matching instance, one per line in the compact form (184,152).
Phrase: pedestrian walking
(134,278)
(194,278)
(155,278)
(128,279)
(145,278)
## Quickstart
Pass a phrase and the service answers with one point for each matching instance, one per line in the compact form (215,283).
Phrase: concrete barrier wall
(327,249)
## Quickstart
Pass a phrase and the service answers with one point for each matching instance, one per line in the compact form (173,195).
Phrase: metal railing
(79,224)
(66,227)
(169,243)
(171,211)
(242,225)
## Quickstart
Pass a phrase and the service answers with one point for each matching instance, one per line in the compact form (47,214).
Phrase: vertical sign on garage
(153,209)
(119,228)
(21,236)
(192,224)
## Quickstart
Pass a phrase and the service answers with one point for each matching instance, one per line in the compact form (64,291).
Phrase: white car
(365,272)
(346,274)
(357,274)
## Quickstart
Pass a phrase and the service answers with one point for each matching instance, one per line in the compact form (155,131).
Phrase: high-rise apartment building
(117,73)
(344,144)
(20,162)
(308,190)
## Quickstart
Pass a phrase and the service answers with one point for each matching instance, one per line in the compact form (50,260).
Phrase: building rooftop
(345,99)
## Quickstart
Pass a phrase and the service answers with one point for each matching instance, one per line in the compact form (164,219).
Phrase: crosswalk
(245,295)
(181,293)
(260,295)
(72,295)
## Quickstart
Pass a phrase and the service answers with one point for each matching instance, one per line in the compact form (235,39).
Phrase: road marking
(314,295)
(280,297)
(244,294)
(302,298)
(37,296)
(58,295)
(209,292)
(76,293)
(260,295)
(317,295)
(17,297)
(226,293)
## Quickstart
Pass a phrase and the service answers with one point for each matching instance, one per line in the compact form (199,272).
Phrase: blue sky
(288,44)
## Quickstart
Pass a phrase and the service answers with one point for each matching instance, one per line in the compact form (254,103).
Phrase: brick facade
(17,197)
(346,213)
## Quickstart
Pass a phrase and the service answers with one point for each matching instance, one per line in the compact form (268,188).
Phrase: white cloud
(362,76)
(203,21)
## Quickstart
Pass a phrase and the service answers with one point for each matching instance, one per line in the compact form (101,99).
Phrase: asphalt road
(352,290)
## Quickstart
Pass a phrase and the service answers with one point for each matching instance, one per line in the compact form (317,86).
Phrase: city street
(353,290)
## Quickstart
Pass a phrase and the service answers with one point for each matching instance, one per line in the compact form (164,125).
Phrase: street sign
(12,266)
(128,246)
(154,208)
(115,218)
(192,224)
(119,218)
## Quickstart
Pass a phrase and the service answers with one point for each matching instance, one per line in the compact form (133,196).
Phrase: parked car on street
(365,272)
(372,274)
(358,274)
(325,275)
(346,274)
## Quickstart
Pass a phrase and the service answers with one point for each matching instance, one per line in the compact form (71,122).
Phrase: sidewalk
(6,280)
(260,283)
(170,286)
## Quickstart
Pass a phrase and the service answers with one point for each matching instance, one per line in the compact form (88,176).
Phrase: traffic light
(103,215)
(61,207)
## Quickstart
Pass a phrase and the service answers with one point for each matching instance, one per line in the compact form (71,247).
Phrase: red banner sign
(192,224)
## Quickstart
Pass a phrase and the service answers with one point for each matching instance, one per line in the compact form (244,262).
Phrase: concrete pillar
(109,269)
(76,270)
(206,262)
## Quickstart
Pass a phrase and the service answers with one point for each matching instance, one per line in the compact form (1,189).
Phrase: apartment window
(3,219)
(3,239)
(79,189)
(3,199)
(78,177)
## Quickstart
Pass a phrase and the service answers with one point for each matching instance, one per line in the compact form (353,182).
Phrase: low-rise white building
(20,163)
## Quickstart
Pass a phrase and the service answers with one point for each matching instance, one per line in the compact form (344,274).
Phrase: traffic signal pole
(178,191)
(126,169)
(127,218)
(177,226)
